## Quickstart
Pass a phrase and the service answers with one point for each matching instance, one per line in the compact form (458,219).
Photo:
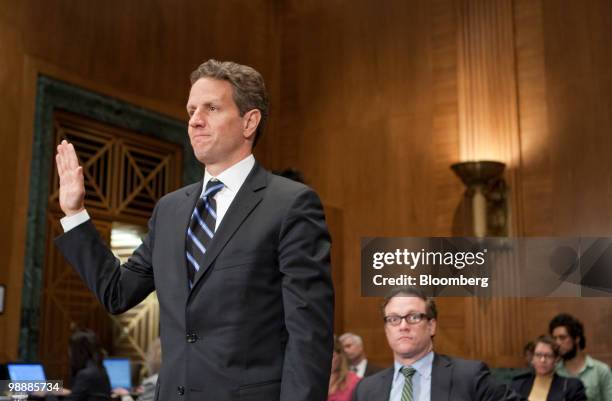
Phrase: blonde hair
(343,368)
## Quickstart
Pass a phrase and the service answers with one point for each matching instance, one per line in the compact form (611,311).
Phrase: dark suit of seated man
(353,348)
(418,373)
(239,260)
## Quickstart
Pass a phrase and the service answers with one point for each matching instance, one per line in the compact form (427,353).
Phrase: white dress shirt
(232,178)
(360,368)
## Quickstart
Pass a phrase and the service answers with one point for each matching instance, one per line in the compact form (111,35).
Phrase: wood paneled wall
(565,93)
(372,101)
(370,114)
(489,130)
(379,98)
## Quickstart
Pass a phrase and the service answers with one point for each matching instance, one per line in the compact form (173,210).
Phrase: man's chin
(569,355)
(203,157)
(406,350)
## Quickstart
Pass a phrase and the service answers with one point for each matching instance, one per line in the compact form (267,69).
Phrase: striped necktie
(201,228)
(408,372)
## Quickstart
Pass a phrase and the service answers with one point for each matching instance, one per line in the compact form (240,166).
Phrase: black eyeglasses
(411,318)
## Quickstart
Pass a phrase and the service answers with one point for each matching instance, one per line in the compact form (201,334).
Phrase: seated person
(342,381)
(88,376)
(542,383)
(353,349)
(595,375)
(418,372)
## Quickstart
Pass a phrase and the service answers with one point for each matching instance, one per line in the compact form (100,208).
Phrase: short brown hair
(548,340)
(249,89)
(430,305)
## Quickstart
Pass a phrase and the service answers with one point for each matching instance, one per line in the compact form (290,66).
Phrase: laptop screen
(26,371)
(119,372)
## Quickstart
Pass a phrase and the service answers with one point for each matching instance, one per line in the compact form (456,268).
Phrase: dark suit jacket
(371,369)
(452,379)
(257,324)
(90,384)
(561,388)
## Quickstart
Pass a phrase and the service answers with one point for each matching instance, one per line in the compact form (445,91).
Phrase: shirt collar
(234,176)
(360,364)
(422,366)
(588,363)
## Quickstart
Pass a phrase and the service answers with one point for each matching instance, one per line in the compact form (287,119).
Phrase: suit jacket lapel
(245,201)
(441,374)
(385,385)
(380,387)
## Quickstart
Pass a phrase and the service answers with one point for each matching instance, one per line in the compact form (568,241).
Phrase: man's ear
(433,325)
(250,121)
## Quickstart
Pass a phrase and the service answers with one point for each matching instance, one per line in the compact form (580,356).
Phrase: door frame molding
(55,94)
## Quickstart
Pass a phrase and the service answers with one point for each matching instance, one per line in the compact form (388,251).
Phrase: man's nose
(404,325)
(197,119)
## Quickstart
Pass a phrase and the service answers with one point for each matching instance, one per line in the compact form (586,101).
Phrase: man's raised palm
(72,187)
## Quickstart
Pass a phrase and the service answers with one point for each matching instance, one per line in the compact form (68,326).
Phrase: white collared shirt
(360,368)
(232,177)
(421,381)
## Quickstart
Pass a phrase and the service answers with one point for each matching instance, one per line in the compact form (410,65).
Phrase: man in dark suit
(419,373)
(353,348)
(240,260)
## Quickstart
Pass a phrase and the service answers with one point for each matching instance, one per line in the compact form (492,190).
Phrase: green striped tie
(408,372)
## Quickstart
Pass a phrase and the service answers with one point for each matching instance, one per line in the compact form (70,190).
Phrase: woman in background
(542,383)
(342,381)
(89,379)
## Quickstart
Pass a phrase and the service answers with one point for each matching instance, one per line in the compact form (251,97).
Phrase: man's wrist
(71,221)
(73,212)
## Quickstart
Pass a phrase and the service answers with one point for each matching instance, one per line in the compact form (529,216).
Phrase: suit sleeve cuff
(70,222)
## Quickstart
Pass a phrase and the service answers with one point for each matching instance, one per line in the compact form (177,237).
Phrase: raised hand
(72,187)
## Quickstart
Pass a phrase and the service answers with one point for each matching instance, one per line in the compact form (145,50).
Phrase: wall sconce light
(487,189)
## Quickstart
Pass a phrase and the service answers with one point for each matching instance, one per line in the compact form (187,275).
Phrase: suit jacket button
(180,390)
(192,338)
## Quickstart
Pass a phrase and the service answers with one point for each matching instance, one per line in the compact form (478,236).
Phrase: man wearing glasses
(418,373)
